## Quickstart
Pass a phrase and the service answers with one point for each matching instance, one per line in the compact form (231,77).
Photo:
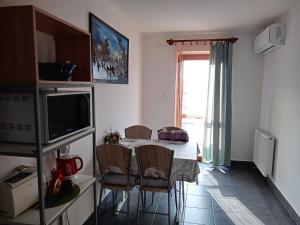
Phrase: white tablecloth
(185,166)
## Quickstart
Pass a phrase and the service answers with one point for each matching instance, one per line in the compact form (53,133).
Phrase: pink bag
(174,135)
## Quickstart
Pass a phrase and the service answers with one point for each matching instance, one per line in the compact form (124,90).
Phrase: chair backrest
(138,132)
(154,161)
(114,158)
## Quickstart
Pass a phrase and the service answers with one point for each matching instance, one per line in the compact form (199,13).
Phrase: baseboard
(248,164)
(293,214)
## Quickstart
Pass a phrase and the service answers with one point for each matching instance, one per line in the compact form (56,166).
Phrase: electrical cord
(67,216)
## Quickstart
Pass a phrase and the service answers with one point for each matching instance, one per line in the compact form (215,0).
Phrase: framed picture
(109,53)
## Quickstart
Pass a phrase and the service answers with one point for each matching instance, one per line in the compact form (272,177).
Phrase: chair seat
(154,184)
(118,181)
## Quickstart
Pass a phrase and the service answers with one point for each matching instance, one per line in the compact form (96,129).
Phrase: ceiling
(201,15)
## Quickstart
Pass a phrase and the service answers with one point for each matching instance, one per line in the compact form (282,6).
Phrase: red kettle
(69,165)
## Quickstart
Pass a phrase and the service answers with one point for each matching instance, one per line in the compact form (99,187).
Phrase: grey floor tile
(281,215)
(235,196)
(144,219)
(186,223)
(204,181)
(220,180)
(255,207)
(222,191)
(164,198)
(227,205)
(120,219)
(270,220)
(199,216)
(233,218)
(285,221)
(248,194)
(162,220)
(259,219)
(201,202)
(222,218)
(163,208)
(199,190)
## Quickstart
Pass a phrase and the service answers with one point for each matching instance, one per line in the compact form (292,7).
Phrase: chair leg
(113,205)
(99,205)
(152,198)
(128,206)
(116,195)
(142,197)
(175,193)
(183,198)
(169,214)
(138,205)
(145,198)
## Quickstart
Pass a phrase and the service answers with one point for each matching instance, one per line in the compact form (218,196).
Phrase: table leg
(181,203)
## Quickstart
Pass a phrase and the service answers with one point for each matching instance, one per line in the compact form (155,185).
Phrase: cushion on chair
(153,184)
(174,135)
(117,181)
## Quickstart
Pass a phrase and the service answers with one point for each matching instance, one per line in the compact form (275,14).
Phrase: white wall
(117,106)
(281,109)
(159,64)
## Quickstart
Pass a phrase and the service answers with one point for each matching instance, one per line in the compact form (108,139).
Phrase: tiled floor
(237,196)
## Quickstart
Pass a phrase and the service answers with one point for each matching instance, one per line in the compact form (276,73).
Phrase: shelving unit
(19,73)
(37,150)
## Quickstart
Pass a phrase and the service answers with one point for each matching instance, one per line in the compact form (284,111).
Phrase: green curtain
(217,127)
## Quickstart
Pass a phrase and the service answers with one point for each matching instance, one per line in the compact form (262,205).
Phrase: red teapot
(69,165)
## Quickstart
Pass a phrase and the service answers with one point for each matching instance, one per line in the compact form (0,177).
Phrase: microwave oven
(62,113)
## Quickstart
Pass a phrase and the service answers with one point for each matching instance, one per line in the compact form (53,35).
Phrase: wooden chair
(114,164)
(155,167)
(138,132)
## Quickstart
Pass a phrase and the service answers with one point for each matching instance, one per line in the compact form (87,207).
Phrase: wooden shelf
(31,216)
(29,150)
(63,83)
(19,45)
(44,85)
(50,24)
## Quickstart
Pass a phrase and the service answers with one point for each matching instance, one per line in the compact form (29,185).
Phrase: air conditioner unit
(271,37)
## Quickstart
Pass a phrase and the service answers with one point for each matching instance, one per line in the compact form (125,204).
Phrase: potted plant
(112,137)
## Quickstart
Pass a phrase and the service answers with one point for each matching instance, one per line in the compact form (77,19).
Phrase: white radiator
(264,144)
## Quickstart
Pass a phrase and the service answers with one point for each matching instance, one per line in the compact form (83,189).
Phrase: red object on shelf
(55,183)
(199,158)
(68,165)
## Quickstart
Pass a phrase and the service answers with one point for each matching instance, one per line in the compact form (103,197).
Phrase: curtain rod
(232,39)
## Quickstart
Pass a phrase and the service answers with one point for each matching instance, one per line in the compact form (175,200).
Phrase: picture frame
(109,52)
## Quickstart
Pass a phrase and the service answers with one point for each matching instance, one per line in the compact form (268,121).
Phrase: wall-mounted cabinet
(30,36)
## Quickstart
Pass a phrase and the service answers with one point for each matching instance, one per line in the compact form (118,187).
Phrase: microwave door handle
(87,102)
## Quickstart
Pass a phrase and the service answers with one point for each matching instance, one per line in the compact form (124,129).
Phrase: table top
(182,150)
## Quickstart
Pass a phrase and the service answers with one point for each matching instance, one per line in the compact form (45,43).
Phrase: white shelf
(29,150)
(31,216)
